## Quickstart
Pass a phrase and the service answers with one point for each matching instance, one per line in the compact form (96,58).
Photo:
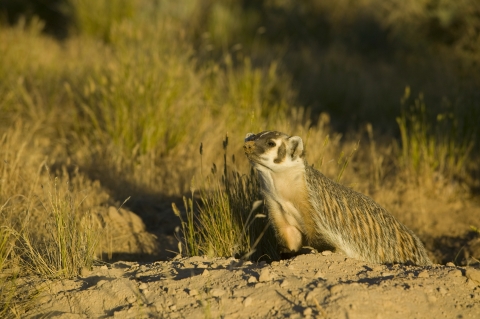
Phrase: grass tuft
(229,221)
(71,240)
(434,152)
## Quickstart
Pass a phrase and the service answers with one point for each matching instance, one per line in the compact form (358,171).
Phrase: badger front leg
(286,228)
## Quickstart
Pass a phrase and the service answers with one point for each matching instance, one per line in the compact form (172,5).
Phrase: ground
(316,285)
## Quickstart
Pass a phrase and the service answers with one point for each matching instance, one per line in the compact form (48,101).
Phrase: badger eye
(271,143)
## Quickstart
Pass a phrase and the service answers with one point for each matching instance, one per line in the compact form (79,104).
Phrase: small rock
(432,298)
(319,274)
(326,252)
(307,311)
(84,272)
(216,292)
(206,273)
(247,301)
(131,299)
(473,274)
(423,274)
(450,264)
(310,295)
(265,275)
(193,292)
(143,286)
(252,280)
(284,283)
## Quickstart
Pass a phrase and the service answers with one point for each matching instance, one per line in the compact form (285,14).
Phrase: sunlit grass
(227,219)
(433,153)
(122,105)
(71,239)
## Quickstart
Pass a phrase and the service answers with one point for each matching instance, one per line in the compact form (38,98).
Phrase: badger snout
(249,147)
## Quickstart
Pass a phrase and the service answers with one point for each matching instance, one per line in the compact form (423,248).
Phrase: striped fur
(308,209)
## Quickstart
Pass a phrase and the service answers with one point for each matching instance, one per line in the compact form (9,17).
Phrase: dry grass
(120,108)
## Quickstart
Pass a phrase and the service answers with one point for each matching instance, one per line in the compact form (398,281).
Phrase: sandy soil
(316,285)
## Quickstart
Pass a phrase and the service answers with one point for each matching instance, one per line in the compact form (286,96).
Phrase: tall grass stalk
(433,150)
(71,240)
(7,278)
(228,221)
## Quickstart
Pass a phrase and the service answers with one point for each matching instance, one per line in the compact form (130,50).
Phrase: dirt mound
(125,235)
(322,285)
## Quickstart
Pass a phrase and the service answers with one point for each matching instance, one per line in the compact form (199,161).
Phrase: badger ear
(295,146)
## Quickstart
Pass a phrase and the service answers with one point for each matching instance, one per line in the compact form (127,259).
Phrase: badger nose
(249,147)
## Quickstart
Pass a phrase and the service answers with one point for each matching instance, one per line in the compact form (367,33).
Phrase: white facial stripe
(266,132)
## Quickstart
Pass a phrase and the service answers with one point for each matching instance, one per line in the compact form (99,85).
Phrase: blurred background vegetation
(351,59)
(115,97)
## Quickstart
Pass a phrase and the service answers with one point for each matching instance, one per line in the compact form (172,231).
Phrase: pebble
(84,272)
(216,292)
(284,283)
(307,311)
(326,252)
(193,292)
(143,286)
(423,274)
(319,274)
(131,299)
(450,264)
(311,294)
(252,280)
(247,301)
(473,274)
(265,275)
(206,273)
